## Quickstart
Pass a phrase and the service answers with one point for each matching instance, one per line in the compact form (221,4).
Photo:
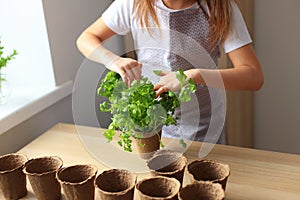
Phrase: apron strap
(203,10)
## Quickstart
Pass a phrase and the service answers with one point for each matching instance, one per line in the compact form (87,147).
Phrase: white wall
(65,21)
(277,105)
(25,132)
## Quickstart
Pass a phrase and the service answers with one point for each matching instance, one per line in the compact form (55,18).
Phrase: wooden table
(255,174)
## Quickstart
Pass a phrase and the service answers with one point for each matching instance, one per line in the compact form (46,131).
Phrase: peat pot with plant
(137,113)
(4,60)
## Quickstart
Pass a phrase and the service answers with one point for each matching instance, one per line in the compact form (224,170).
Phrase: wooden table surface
(255,174)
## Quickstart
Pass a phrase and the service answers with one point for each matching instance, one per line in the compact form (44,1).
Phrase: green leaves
(137,109)
(104,107)
(181,77)
(125,141)
(186,89)
(109,134)
(5,59)
(157,72)
(108,84)
(183,144)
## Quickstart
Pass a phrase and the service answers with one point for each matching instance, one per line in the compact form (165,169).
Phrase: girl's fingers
(130,77)
(133,71)
(159,89)
(122,73)
(157,86)
(137,71)
(128,69)
(160,72)
(163,73)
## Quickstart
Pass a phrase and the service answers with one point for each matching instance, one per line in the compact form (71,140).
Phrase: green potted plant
(3,63)
(137,113)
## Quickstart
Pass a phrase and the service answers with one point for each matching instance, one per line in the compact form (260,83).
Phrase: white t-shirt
(155,49)
(121,18)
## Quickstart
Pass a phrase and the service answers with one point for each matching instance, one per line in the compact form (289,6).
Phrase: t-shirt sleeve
(117,16)
(239,35)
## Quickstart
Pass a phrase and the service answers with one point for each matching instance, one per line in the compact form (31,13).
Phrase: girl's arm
(90,45)
(246,74)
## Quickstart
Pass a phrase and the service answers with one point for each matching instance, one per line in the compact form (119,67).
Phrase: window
(30,75)
(23,28)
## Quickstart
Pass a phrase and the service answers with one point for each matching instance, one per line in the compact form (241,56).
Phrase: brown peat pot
(12,178)
(41,173)
(78,181)
(116,184)
(202,190)
(208,170)
(148,144)
(157,188)
(167,163)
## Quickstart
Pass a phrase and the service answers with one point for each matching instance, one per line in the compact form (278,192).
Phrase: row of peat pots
(205,179)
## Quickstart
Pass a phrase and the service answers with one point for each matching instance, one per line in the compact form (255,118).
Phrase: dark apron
(189,29)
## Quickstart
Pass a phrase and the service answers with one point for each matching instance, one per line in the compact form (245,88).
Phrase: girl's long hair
(219,18)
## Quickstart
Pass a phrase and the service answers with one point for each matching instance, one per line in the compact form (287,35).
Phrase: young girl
(178,34)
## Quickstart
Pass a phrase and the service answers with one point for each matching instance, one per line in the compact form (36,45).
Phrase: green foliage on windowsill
(4,60)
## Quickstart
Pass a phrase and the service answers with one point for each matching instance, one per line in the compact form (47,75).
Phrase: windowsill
(23,105)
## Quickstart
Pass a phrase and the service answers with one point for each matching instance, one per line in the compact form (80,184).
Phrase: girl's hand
(168,81)
(129,69)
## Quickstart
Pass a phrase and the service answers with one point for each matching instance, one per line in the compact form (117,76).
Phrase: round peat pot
(116,184)
(12,178)
(78,181)
(41,173)
(148,144)
(169,164)
(157,188)
(202,190)
(208,170)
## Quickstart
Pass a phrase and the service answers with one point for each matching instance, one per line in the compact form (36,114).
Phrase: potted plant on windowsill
(137,113)
(3,63)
